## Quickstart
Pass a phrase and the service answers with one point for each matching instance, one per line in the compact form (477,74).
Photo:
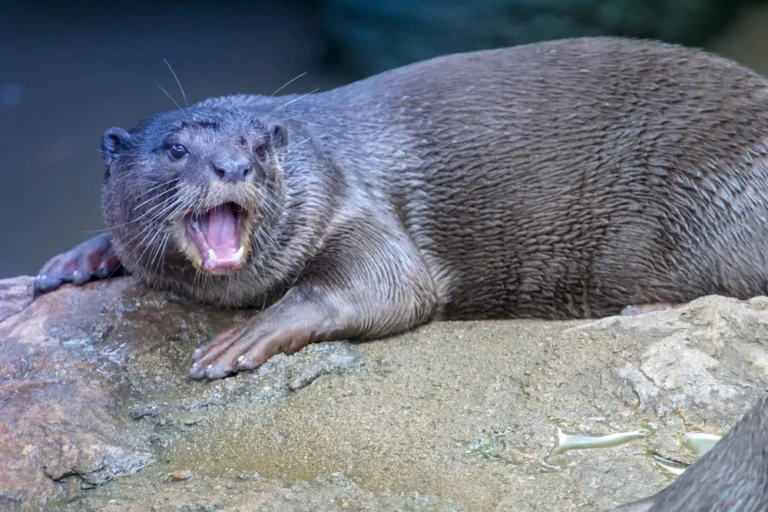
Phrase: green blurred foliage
(369,36)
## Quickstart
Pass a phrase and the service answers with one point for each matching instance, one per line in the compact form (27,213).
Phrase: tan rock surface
(96,410)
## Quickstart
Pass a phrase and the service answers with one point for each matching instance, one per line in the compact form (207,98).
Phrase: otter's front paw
(92,259)
(247,347)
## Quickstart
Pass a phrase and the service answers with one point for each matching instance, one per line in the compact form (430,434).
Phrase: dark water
(69,70)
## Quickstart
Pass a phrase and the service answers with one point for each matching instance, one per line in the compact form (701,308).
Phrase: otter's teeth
(196,226)
(216,235)
(213,258)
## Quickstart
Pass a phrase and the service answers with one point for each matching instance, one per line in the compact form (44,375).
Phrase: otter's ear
(114,142)
(278,136)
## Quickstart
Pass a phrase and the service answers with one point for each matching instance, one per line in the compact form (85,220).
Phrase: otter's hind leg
(92,259)
(364,284)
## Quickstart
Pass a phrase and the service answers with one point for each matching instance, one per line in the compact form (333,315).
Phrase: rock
(179,475)
(16,294)
(452,416)
(72,363)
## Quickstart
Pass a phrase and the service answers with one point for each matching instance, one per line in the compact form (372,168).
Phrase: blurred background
(69,70)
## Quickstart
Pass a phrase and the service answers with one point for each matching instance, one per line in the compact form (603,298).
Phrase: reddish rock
(65,370)
(94,383)
(15,295)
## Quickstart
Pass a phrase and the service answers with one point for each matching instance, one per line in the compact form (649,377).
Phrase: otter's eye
(260,150)
(177,152)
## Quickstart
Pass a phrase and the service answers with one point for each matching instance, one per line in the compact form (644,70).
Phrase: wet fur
(563,179)
(554,180)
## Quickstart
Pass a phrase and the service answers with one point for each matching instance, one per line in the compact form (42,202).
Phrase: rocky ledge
(97,411)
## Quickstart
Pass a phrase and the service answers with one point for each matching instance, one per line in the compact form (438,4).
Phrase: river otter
(731,476)
(563,179)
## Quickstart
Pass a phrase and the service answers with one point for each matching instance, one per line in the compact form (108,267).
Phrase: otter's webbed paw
(301,317)
(92,259)
(282,328)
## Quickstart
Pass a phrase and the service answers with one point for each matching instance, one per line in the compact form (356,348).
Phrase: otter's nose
(231,168)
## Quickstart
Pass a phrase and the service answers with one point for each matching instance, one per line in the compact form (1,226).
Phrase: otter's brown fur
(554,180)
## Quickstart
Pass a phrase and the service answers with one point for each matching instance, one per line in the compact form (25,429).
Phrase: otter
(733,475)
(562,179)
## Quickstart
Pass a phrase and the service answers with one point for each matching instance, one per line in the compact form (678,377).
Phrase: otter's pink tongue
(216,234)
(222,234)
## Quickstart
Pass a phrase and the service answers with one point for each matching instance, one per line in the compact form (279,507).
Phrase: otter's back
(570,177)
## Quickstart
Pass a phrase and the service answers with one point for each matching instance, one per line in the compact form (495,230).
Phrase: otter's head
(190,187)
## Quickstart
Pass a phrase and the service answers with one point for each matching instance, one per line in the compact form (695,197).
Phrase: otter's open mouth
(217,234)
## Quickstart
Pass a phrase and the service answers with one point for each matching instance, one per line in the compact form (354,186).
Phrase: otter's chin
(219,236)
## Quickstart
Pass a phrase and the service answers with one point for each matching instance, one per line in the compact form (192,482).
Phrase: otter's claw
(247,347)
(92,259)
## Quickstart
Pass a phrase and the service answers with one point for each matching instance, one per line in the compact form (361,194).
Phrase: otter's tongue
(216,234)
(222,233)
